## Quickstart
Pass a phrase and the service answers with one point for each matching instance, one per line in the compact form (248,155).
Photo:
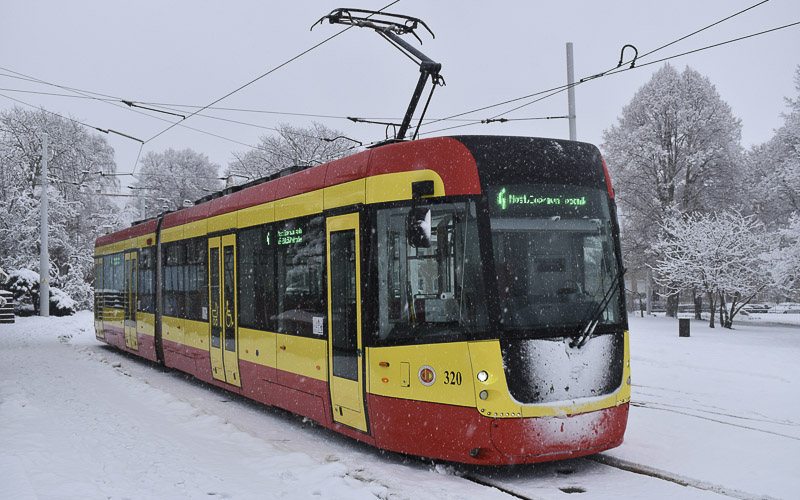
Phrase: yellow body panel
(171,234)
(196,334)
(456,367)
(397,186)
(402,378)
(117,247)
(195,229)
(141,241)
(302,355)
(172,329)
(299,206)
(258,347)
(259,214)
(146,324)
(129,244)
(348,193)
(224,222)
(114,317)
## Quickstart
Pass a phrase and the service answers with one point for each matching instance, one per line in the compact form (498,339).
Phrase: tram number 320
(452,378)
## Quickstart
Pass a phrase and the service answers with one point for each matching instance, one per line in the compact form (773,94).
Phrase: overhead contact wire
(560,88)
(261,76)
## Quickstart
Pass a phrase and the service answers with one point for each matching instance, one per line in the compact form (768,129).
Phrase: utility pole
(44,251)
(573,135)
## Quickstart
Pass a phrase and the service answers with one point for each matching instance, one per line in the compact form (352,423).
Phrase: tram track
(653,472)
(490,484)
(706,408)
(568,480)
(687,411)
(719,411)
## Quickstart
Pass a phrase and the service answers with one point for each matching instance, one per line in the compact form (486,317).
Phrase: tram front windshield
(553,259)
(554,256)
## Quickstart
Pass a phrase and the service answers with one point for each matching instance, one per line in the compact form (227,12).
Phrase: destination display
(537,200)
(290,236)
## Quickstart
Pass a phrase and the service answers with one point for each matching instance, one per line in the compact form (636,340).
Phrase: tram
(457,298)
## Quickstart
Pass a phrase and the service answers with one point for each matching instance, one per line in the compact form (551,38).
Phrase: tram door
(222,302)
(129,300)
(344,322)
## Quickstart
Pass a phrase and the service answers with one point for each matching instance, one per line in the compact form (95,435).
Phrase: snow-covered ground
(719,411)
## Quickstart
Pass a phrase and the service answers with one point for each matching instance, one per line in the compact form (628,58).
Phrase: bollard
(683,327)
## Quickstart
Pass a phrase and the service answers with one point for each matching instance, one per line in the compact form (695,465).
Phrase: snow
(62,300)
(80,420)
(732,397)
(559,372)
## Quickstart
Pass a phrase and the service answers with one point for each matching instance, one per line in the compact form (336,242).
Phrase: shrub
(24,286)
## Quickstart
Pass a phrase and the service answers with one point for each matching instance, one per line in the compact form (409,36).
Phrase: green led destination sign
(507,200)
(290,236)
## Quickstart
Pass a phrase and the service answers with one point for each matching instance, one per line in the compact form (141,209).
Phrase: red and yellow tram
(457,298)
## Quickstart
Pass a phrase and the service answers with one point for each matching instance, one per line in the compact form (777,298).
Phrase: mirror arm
(420,189)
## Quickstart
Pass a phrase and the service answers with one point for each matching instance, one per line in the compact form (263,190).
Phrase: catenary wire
(250,146)
(567,86)
(557,90)
(56,114)
(623,69)
(264,75)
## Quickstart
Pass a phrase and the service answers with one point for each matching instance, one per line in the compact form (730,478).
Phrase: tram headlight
(483,376)
(483,395)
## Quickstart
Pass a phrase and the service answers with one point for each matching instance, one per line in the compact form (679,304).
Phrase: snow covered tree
(78,166)
(723,254)
(293,146)
(168,179)
(675,150)
(785,260)
(774,168)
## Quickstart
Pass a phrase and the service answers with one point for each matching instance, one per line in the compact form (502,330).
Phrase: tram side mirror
(418,227)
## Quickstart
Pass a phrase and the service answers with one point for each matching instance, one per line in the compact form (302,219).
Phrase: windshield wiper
(597,312)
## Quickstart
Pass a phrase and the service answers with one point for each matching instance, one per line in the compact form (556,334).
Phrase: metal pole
(573,135)
(44,251)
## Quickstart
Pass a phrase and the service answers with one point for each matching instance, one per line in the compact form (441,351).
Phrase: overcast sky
(194,52)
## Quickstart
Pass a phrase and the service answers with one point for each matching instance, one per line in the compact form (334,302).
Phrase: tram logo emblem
(427,376)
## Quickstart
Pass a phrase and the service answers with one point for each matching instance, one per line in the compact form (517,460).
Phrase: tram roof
(452,158)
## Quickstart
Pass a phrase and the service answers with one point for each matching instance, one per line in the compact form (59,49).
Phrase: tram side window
(147,278)
(113,274)
(256,277)
(196,280)
(300,254)
(174,286)
(435,290)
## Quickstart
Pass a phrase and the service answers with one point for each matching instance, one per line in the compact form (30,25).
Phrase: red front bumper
(461,434)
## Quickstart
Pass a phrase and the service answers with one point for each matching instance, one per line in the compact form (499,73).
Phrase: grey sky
(194,52)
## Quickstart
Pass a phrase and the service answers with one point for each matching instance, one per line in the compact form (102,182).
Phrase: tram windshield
(554,256)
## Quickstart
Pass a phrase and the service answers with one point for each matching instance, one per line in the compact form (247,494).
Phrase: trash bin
(6,309)
(683,327)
